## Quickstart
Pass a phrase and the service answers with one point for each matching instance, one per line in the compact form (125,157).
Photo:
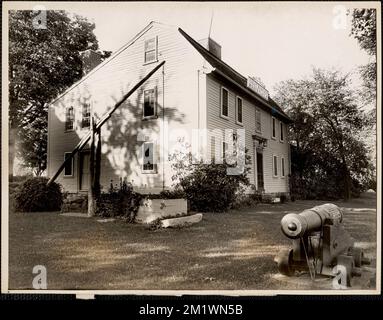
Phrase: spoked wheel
(284,260)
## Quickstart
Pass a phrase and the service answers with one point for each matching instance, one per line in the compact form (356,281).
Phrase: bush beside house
(35,195)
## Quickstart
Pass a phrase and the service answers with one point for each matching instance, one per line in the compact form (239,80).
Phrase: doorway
(260,180)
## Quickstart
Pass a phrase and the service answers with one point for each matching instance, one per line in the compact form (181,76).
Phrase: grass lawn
(233,250)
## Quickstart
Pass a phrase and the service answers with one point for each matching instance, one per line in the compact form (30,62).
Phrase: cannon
(319,244)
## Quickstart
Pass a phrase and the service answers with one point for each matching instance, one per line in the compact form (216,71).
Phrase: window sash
(150,48)
(150,103)
(68,169)
(85,115)
(224,102)
(273,129)
(239,110)
(283,167)
(275,166)
(282,138)
(149,164)
(69,118)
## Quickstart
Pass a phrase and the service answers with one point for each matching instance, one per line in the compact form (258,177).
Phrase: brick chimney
(212,46)
(90,60)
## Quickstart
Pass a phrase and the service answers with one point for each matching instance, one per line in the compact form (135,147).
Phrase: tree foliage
(363,29)
(327,153)
(42,64)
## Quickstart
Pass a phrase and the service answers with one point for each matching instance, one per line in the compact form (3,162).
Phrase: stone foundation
(75,202)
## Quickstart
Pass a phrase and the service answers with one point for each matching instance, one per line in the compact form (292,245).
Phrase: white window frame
(221,103)
(273,166)
(260,120)
(273,122)
(155,50)
(155,165)
(281,132)
(82,114)
(155,104)
(283,167)
(74,118)
(72,165)
(236,110)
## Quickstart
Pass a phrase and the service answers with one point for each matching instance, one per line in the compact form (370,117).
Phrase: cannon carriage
(321,245)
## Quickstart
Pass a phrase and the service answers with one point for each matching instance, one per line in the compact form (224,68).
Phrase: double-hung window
(150,103)
(69,119)
(151,46)
(85,115)
(239,110)
(275,166)
(68,169)
(282,136)
(282,167)
(224,103)
(148,158)
(273,128)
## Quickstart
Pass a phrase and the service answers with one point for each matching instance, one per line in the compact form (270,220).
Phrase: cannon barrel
(296,225)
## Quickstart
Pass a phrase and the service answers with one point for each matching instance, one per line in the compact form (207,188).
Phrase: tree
(327,150)
(43,62)
(363,29)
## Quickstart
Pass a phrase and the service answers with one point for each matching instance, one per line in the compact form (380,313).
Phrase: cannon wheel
(357,253)
(284,260)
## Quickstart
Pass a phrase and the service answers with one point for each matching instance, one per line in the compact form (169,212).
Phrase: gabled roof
(106,61)
(224,69)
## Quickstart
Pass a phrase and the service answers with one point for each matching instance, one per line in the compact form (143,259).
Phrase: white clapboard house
(193,89)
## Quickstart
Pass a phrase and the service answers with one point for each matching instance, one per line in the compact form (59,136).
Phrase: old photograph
(191,147)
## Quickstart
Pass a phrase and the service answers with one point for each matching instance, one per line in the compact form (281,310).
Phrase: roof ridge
(212,55)
(206,54)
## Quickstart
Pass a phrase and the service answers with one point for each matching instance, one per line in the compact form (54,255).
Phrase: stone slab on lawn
(181,221)
(152,209)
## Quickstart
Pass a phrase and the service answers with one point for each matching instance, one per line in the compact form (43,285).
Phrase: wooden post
(91,195)
(97,163)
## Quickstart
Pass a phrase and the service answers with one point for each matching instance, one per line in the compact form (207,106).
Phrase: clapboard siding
(274,147)
(177,92)
(187,99)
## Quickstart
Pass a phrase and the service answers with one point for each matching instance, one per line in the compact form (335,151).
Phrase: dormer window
(151,50)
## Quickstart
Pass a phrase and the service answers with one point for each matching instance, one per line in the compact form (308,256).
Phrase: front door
(84,170)
(261,185)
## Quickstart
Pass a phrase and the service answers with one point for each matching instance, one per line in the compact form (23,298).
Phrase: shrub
(244,199)
(176,193)
(35,195)
(119,201)
(208,187)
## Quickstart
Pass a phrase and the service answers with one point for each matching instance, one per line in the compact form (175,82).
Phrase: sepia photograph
(201,148)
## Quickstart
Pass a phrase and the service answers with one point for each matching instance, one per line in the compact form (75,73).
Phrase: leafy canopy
(42,64)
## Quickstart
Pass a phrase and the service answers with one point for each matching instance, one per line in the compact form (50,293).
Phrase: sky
(272,41)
